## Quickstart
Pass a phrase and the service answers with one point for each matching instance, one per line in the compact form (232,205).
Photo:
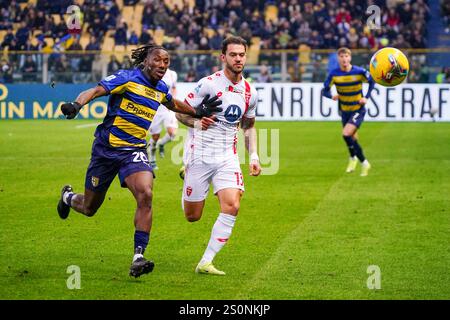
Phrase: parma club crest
(95,181)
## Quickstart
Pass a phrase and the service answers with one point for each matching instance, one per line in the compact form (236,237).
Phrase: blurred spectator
(29,70)
(97,68)
(22,34)
(264,75)
(191,76)
(6,72)
(75,58)
(145,37)
(127,63)
(133,39)
(120,35)
(61,69)
(9,36)
(93,44)
(113,64)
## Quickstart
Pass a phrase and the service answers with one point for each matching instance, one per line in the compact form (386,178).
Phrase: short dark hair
(233,40)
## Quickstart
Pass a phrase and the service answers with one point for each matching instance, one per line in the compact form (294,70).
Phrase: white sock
(220,233)
(137,255)
(365,163)
(353,158)
(165,139)
(66,196)
(152,149)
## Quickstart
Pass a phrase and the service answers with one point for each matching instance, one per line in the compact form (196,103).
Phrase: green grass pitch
(308,232)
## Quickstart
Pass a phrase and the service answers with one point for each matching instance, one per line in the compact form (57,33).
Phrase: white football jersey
(220,139)
(170,78)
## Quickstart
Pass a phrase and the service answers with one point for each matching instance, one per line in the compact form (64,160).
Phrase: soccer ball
(389,67)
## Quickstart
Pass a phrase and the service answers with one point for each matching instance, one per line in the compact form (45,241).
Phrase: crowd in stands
(283,24)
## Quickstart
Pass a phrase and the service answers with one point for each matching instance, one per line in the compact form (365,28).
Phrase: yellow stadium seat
(171,3)
(84,40)
(159,36)
(271,13)
(210,32)
(37,32)
(50,41)
(119,48)
(120,52)
(254,50)
(34,41)
(304,55)
(2,35)
(128,15)
(56,18)
(108,44)
(131,47)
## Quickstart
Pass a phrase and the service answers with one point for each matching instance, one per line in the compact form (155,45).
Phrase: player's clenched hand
(362,101)
(70,109)
(255,168)
(205,122)
(208,106)
(335,97)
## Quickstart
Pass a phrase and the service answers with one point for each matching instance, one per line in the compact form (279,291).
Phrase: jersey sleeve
(175,79)
(165,89)
(251,111)
(195,97)
(370,80)
(115,83)
(327,86)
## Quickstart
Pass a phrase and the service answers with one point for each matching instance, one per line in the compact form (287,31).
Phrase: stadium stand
(201,24)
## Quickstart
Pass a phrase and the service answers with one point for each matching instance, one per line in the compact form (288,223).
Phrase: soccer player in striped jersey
(120,141)
(348,80)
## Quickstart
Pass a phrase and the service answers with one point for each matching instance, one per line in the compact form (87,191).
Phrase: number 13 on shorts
(239,179)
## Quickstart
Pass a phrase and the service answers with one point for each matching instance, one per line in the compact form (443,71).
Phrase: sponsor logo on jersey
(197,89)
(233,113)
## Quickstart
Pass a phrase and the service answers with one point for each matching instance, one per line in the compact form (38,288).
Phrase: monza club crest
(189,191)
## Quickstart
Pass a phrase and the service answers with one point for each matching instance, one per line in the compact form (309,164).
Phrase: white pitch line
(81,126)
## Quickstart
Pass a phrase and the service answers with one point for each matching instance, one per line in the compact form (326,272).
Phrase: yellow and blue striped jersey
(348,86)
(132,105)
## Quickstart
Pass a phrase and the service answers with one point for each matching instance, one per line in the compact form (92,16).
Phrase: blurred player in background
(120,141)
(166,117)
(348,80)
(211,153)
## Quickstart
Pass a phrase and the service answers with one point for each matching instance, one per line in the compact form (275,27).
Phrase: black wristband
(77,106)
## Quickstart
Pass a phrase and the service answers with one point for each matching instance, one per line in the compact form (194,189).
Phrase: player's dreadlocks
(139,54)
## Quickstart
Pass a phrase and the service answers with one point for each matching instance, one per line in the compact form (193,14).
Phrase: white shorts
(167,118)
(199,175)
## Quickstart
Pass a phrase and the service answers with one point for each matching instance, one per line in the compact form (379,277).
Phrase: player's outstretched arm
(205,109)
(71,109)
(192,122)
(251,142)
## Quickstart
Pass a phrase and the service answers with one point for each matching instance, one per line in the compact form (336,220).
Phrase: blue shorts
(354,117)
(107,162)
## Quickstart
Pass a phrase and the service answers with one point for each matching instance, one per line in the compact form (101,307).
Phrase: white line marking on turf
(81,126)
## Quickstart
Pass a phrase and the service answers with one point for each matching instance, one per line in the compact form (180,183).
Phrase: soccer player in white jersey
(164,117)
(211,154)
